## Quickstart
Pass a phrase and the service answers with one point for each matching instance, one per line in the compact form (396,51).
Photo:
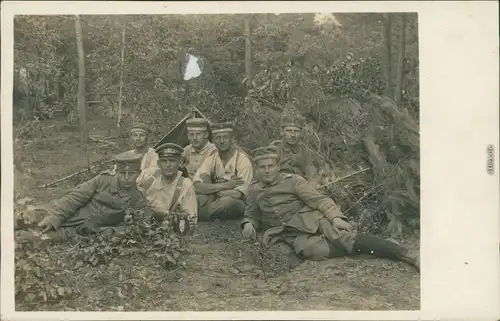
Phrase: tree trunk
(401,59)
(81,82)
(388,55)
(120,95)
(248,51)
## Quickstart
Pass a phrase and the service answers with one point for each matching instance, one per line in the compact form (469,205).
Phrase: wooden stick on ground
(374,188)
(344,177)
(88,169)
(103,141)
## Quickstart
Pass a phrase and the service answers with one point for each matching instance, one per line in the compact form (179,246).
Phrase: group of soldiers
(270,191)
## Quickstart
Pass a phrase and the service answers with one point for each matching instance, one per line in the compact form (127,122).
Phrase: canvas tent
(178,134)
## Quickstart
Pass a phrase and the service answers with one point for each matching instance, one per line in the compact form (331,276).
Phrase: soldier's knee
(229,203)
(203,200)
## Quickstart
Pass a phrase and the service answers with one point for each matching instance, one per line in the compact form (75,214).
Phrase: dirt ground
(221,271)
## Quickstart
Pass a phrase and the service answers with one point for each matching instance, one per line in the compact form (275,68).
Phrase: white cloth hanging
(193,69)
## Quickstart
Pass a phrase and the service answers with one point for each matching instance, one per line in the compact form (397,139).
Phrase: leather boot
(372,245)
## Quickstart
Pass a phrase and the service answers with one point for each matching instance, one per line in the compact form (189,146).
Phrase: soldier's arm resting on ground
(314,199)
(252,214)
(67,206)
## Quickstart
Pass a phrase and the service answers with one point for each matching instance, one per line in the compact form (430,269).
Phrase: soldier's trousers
(223,208)
(317,247)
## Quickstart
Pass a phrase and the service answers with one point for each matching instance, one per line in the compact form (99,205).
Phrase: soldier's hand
(182,214)
(87,228)
(248,231)
(45,226)
(159,212)
(341,224)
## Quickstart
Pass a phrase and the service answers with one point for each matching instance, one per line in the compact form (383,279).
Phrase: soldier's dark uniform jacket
(295,160)
(292,204)
(98,200)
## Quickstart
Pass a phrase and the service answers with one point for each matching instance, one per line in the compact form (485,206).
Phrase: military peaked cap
(197,124)
(128,161)
(168,150)
(292,120)
(265,152)
(138,126)
(222,127)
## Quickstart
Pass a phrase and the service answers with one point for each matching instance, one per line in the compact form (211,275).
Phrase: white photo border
(459,118)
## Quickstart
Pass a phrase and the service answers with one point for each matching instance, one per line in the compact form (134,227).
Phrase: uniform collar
(295,148)
(278,180)
(234,150)
(113,188)
(174,182)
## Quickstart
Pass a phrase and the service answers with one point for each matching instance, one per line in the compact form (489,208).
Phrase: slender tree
(388,55)
(248,51)
(84,131)
(401,58)
(122,67)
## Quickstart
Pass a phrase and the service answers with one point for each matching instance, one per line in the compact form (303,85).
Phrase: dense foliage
(38,265)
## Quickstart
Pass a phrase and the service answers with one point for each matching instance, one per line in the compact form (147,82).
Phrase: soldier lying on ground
(97,205)
(222,180)
(170,195)
(294,157)
(199,147)
(293,212)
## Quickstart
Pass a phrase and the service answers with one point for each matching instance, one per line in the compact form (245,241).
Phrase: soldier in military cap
(290,210)
(167,192)
(223,178)
(139,135)
(199,146)
(97,204)
(294,157)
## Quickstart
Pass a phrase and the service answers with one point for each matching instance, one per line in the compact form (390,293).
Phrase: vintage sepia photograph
(216,162)
(250,160)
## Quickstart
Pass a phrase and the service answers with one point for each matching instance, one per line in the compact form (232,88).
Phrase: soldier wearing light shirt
(139,136)
(199,147)
(222,180)
(167,192)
